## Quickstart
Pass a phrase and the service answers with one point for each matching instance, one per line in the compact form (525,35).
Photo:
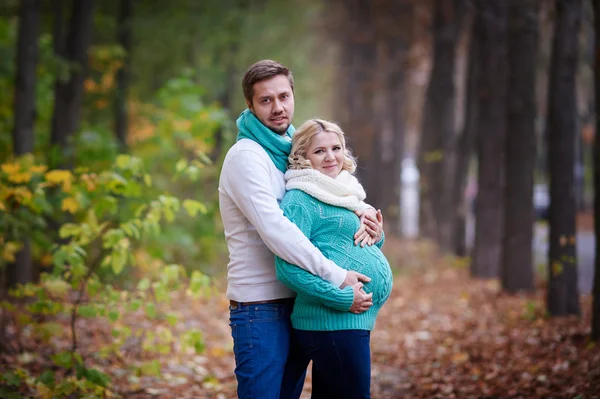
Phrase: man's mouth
(278,119)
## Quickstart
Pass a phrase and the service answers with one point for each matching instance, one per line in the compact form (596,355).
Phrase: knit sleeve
(380,242)
(302,281)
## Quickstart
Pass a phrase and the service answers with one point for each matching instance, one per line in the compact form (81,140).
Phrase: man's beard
(280,131)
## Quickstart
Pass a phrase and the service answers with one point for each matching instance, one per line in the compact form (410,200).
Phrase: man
(250,188)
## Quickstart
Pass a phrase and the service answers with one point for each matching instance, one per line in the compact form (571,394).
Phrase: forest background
(114,120)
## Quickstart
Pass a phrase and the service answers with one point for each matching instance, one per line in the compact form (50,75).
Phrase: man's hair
(263,70)
(303,138)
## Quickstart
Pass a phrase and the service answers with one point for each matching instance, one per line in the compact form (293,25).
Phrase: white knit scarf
(344,191)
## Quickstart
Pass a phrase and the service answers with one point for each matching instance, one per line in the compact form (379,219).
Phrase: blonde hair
(303,138)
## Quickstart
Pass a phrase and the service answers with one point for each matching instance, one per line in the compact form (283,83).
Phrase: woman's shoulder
(296,196)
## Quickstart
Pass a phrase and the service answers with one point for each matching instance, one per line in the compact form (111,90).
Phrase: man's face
(273,103)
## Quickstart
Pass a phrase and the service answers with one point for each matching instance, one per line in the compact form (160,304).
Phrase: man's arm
(248,183)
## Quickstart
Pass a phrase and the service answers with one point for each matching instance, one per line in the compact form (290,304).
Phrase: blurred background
(473,123)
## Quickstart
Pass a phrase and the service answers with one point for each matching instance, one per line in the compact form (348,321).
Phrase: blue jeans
(341,362)
(268,365)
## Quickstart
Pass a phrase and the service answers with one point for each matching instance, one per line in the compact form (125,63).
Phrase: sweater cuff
(342,302)
(380,243)
(337,275)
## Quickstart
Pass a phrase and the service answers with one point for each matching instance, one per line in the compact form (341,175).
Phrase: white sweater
(250,189)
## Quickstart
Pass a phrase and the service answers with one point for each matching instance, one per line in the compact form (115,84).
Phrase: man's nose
(277,107)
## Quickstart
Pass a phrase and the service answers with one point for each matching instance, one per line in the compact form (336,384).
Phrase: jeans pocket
(268,312)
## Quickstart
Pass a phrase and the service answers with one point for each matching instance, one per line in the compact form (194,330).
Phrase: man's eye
(265,100)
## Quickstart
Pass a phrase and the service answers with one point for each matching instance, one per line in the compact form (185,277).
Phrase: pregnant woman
(323,200)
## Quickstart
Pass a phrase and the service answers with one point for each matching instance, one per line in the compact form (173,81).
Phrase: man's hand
(353,277)
(362,300)
(371,227)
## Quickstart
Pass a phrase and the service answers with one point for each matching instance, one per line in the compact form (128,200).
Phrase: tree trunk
(491,27)
(356,84)
(464,148)
(563,294)
(21,271)
(435,157)
(517,262)
(393,38)
(27,58)
(124,40)
(69,94)
(596,288)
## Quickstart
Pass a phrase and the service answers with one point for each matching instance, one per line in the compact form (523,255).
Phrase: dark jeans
(341,362)
(266,366)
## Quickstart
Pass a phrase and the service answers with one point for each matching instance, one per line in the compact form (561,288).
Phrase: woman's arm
(313,286)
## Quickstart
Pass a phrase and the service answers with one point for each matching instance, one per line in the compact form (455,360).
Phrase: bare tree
(517,262)
(435,155)
(124,40)
(596,288)
(491,27)
(393,38)
(69,93)
(21,271)
(563,294)
(465,142)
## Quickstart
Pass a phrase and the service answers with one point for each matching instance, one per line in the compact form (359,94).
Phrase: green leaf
(88,311)
(151,310)
(148,180)
(151,368)
(135,305)
(11,379)
(92,375)
(172,319)
(113,315)
(6,394)
(63,359)
(47,378)
(197,281)
(181,165)
(144,284)
(122,161)
(69,230)
(118,259)
(192,207)
(160,292)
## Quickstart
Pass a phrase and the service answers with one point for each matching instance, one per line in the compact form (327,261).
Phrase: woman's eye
(337,148)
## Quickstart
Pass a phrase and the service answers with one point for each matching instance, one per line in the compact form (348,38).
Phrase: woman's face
(326,154)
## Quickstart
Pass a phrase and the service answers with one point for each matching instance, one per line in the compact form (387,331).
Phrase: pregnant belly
(381,282)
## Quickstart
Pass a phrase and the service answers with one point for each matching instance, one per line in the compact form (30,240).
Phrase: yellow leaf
(70,205)
(460,357)
(10,249)
(557,268)
(38,169)
(18,178)
(46,259)
(2,207)
(63,177)
(11,168)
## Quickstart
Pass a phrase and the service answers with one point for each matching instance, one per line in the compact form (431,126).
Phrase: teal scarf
(277,146)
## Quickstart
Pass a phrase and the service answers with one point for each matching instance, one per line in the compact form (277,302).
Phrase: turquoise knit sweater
(320,306)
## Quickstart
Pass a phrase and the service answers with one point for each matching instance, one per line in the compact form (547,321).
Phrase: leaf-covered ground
(441,335)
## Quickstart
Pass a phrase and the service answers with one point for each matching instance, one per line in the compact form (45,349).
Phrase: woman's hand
(371,227)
